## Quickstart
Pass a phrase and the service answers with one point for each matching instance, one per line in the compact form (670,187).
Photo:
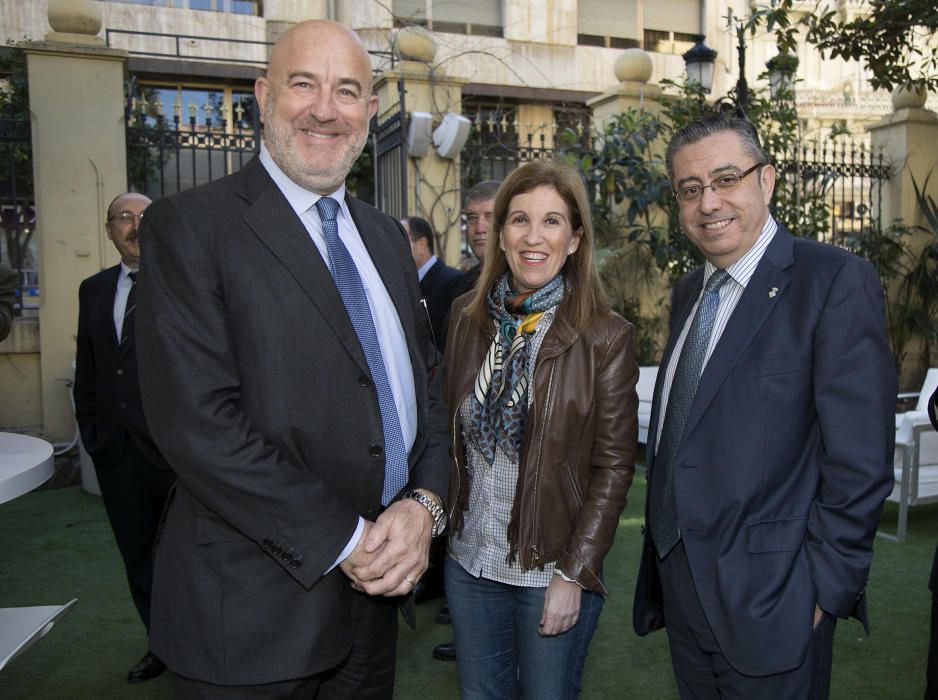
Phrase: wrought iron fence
(391,158)
(830,190)
(17,204)
(166,156)
(493,161)
(833,188)
(496,146)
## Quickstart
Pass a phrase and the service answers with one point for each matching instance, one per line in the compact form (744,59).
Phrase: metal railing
(837,184)
(166,156)
(391,158)
(178,40)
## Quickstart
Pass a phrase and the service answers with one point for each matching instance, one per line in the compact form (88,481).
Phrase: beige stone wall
(541,21)
(539,48)
(20,385)
(432,181)
(294,10)
(79,165)
(26,19)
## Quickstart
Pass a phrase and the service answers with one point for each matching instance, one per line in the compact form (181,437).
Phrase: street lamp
(781,69)
(700,61)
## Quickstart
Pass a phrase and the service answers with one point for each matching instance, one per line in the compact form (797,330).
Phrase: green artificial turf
(56,545)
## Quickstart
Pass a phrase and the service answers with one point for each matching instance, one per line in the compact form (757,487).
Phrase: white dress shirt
(425,268)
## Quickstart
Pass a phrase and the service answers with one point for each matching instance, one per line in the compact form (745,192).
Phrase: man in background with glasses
(771,438)
(134,477)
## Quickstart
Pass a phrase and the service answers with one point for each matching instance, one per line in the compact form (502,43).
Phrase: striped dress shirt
(732,290)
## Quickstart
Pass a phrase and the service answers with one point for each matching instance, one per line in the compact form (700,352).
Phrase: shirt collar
(125,271)
(425,268)
(742,270)
(300,199)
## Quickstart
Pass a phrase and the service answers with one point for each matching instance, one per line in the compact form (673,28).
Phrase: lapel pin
(773,292)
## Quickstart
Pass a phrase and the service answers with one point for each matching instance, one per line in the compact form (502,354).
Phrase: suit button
(286,556)
(296,562)
(276,549)
(364,381)
(120,372)
(267,543)
(376,450)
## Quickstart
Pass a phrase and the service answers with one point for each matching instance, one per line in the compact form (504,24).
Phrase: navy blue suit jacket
(107,390)
(438,288)
(786,457)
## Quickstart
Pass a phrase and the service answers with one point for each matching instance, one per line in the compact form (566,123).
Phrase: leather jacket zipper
(540,446)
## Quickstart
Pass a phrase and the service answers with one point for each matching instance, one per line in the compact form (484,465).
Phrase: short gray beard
(324,182)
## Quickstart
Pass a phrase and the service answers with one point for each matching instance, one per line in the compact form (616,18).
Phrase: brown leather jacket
(578,447)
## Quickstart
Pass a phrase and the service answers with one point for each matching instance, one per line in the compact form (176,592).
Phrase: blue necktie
(662,507)
(352,291)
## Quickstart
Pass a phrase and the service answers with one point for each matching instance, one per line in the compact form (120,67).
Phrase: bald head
(123,223)
(316,103)
(314,34)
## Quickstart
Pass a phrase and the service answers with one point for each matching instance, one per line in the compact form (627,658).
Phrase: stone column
(432,181)
(907,139)
(79,164)
(633,70)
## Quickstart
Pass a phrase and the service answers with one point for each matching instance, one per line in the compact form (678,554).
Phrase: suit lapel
(748,317)
(274,222)
(104,303)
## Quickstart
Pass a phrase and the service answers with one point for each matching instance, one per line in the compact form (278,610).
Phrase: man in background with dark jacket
(134,477)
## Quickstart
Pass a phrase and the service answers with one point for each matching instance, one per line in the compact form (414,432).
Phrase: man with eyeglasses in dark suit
(134,477)
(771,436)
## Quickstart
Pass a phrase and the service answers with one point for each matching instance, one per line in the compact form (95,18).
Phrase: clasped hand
(393,552)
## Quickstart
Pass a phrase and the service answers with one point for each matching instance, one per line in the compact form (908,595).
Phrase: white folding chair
(916,458)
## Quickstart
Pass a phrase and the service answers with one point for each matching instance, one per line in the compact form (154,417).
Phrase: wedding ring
(412,582)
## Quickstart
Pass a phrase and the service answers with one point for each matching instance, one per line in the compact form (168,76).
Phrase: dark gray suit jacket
(786,456)
(257,390)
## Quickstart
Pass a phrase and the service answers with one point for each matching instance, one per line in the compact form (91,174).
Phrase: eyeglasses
(125,217)
(724,183)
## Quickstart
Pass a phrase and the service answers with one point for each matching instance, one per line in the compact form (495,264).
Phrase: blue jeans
(499,653)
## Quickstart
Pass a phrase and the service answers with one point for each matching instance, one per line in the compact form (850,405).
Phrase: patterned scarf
(501,387)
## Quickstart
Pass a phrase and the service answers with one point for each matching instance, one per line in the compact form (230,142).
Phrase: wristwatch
(436,512)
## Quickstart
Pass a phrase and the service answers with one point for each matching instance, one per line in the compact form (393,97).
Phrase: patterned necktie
(662,507)
(352,291)
(127,325)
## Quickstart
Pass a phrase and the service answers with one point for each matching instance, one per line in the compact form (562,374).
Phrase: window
(197,108)
(612,24)
(671,27)
(576,118)
(478,17)
(237,7)
(609,42)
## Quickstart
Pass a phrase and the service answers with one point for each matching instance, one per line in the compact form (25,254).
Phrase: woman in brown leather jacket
(540,388)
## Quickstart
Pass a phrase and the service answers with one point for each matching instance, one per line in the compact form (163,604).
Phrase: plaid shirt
(481,547)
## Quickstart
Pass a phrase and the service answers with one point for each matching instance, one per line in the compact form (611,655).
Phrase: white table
(25,463)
